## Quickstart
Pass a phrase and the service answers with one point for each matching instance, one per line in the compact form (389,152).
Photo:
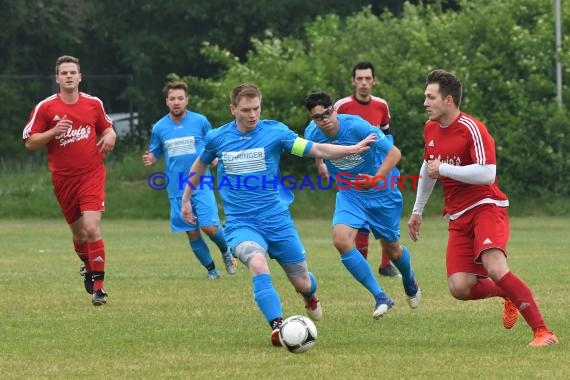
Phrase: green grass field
(165,320)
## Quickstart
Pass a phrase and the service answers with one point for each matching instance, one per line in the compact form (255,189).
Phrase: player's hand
(433,168)
(187,213)
(148,158)
(364,145)
(62,126)
(414,226)
(322,169)
(107,141)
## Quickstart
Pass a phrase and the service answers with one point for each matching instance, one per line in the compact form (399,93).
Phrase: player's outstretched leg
(268,301)
(361,271)
(521,296)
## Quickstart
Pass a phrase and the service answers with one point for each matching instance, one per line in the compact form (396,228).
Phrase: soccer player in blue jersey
(259,224)
(368,195)
(376,111)
(179,137)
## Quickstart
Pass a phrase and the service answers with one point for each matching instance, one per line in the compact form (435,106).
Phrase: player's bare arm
(38,140)
(322,169)
(107,141)
(333,152)
(197,171)
(389,163)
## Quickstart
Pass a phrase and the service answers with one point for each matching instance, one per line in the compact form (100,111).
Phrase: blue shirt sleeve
(313,133)
(383,143)
(155,145)
(209,153)
(206,126)
(362,128)
(292,143)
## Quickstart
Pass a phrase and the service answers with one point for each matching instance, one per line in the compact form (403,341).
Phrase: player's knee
(253,256)
(342,243)
(298,275)
(92,231)
(80,237)
(458,289)
(257,264)
(193,235)
(210,230)
(495,263)
(459,294)
(393,250)
(496,273)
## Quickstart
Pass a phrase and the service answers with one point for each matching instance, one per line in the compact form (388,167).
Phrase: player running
(460,152)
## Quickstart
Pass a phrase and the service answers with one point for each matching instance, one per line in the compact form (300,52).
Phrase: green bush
(502,51)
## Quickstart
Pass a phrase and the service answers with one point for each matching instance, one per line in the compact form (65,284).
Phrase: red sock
(81,251)
(96,252)
(485,288)
(385,260)
(519,293)
(361,242)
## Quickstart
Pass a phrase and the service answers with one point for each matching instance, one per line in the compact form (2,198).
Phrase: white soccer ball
(298,334)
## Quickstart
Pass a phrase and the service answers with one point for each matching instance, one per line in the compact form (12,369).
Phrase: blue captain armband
(301,147)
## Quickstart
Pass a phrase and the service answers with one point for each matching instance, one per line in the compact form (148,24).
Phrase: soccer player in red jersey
(77,133)
(374,110)
(460,152)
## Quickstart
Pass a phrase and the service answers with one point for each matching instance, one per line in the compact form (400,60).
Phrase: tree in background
(502,51)
(145,40)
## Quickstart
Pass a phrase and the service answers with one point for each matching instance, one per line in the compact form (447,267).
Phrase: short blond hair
(248,90)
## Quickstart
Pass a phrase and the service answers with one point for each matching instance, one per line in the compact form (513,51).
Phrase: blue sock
(404,265)
(220,240)
(313,289)
(266,297)
(202,252)
(360,270)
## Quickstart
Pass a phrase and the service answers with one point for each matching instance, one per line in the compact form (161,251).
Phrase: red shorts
(76,194)
(479,229)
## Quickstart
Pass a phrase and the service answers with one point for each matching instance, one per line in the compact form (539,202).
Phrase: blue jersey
(248,167)
(352,130)
(180,144)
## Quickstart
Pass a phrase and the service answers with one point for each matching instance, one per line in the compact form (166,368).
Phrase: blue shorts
(381,214)
(204,206)
(278,237)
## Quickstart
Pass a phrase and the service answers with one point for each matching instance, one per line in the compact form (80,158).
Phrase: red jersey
(465,141)
(74,152)
(376,111)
